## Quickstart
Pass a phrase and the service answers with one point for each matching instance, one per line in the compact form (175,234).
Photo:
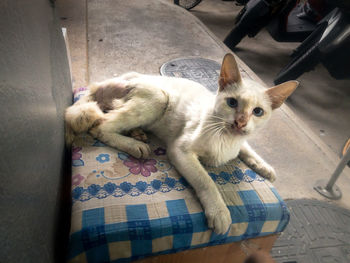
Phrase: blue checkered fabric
(126,209)
(139,236)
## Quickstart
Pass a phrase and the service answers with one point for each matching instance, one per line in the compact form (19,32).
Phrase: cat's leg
(139,134)
(117,122)
(188,165)
(254,161)
(80,117)
(142,107)
(123,143)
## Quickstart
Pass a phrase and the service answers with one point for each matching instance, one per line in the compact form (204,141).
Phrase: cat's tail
(80,118)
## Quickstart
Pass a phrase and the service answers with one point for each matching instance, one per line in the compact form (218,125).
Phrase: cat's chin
(233,130)
(238,132)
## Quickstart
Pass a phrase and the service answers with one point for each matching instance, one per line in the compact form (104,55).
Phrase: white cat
(196,125)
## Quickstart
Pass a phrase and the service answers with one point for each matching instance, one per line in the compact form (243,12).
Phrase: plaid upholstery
(125,209)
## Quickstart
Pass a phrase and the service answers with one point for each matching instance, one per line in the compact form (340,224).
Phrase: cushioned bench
(125,208)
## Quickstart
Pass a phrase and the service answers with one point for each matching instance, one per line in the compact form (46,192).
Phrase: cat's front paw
(219,219)
(262,168)
(268,172)
(139,150)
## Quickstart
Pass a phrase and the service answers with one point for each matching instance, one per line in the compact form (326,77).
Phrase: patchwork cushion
(126,208)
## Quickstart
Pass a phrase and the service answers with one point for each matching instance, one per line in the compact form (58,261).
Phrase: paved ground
(321,101)
(110,37)
(317,232)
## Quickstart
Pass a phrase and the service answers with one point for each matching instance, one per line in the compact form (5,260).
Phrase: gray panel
(34,91)
(204,71)
(317,232)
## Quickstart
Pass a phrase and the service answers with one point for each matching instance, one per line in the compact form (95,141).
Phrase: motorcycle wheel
(235,36)
(301,63)
(187,4)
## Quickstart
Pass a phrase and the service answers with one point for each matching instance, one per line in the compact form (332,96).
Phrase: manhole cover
(204,71)
(317,232)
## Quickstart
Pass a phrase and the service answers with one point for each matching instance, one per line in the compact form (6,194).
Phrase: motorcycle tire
(187,4)
(301,63)
(235,36)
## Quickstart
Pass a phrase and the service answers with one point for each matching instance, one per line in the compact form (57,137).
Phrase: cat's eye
(258,112)
(232,102)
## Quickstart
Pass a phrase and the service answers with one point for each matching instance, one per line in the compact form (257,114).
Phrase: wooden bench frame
(235,252)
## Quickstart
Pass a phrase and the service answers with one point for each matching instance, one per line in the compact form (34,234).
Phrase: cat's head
(243,106)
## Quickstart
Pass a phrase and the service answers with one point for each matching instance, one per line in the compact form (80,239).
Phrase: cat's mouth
(240,131)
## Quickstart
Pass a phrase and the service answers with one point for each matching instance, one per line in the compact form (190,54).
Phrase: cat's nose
(240,124)
(241,120)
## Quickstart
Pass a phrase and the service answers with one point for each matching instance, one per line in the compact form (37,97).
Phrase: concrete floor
(111,37)
(320,101)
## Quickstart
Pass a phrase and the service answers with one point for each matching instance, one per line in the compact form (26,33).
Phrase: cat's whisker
(215,121)
(218,118)
(210,129)
(214,128)
(210,124)
(207,125)
(224,127)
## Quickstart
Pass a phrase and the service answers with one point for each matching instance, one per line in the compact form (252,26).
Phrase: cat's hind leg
(123,143)
(140,108)
(139,134)
(80,117)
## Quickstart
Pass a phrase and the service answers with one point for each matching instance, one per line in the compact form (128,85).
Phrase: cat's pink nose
(241,120)
(240,124)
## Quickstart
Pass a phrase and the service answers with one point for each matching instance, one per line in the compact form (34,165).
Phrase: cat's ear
(281,92)
(229,72)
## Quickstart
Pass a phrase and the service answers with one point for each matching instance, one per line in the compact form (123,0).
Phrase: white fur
(195,125)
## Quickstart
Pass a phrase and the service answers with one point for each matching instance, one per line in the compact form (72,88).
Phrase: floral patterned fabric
(103,172)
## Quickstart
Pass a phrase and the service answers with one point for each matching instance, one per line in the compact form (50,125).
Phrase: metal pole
(329,189)
(338,170)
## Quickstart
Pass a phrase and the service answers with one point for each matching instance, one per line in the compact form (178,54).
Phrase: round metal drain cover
(317,232)
(204,71)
